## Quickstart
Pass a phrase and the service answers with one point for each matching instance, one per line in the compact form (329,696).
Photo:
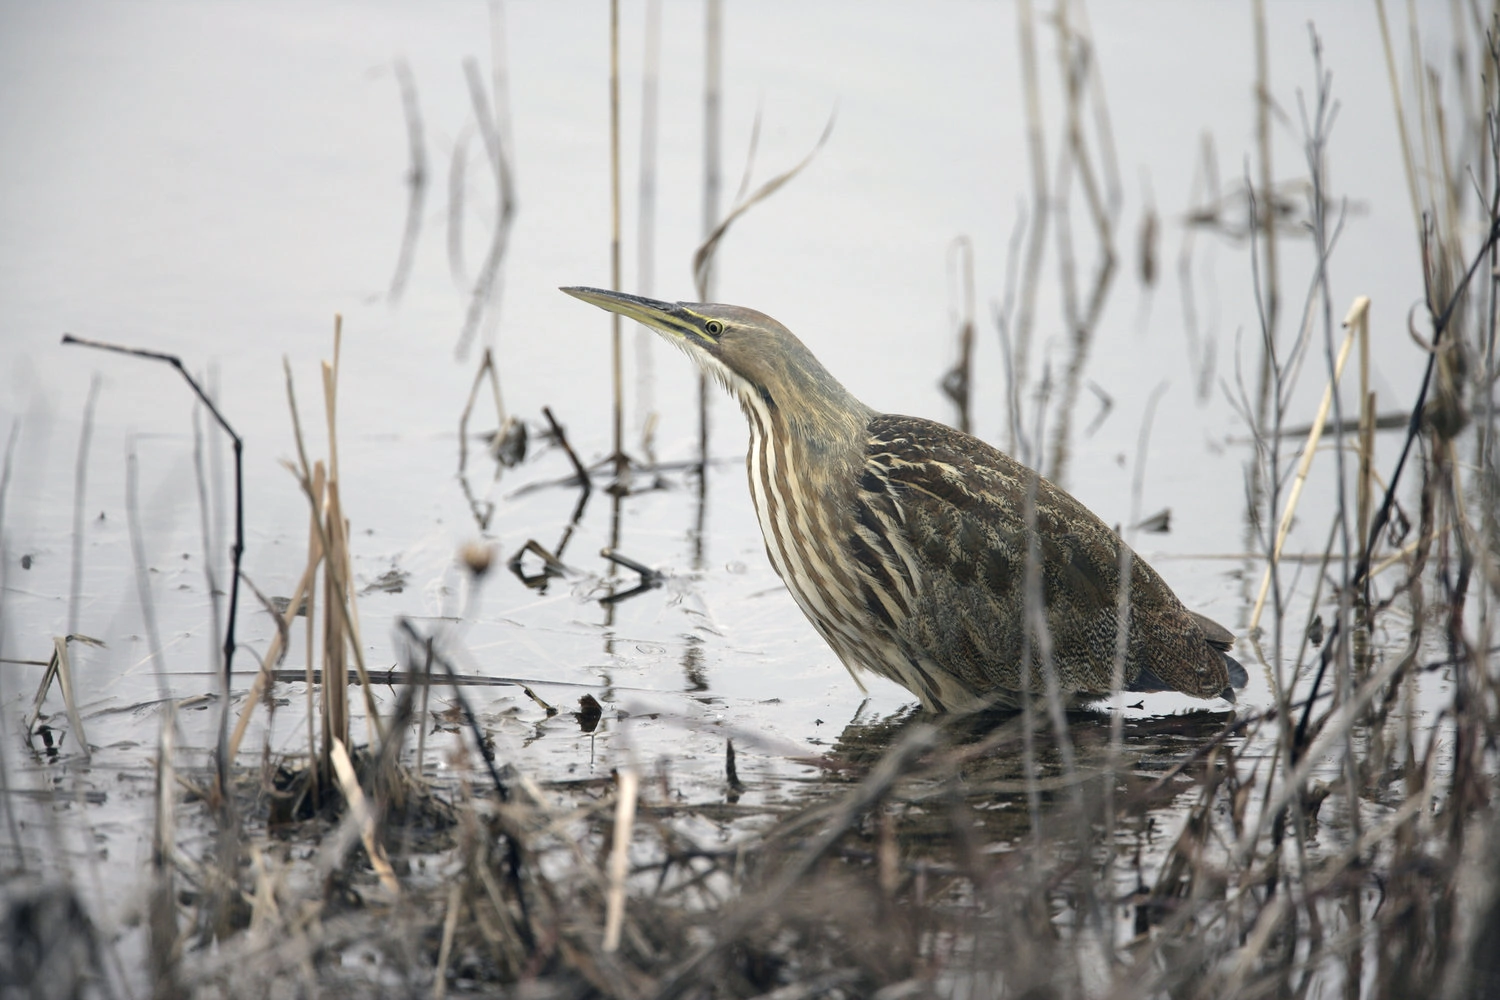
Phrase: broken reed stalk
(315,555)
(335,702)
(341,626)
(626,790)
(361,814)
(58,667)
(335,646)
(280,642)
(61,668)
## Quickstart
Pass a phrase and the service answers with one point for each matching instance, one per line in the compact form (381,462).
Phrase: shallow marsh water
(217,181)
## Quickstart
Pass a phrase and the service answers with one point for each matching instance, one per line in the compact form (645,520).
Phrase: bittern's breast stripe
(756,466)
(769,489)
(815,538)
(806,560)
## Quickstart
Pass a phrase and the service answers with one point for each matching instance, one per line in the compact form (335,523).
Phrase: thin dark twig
(562,440)
(239,494)
(650,578)
(1361,580)
(1414,424)
(512,846)
(489,762)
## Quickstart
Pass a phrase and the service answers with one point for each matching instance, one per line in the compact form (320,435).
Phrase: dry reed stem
(335,701)
(364,816)
(60,667)
(445,950)
(1400,110)
(315,555)
(332,531)
(1309,450)
(275,652)
(164,945)
(619,856)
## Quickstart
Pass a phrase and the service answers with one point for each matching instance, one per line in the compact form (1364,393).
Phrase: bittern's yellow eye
(714,327)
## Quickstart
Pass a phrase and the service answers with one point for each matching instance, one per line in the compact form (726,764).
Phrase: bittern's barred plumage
(905,542)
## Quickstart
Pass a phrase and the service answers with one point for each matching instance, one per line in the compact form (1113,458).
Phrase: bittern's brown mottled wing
(951,512)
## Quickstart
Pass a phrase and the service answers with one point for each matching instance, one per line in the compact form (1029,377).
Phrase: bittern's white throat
(905,542)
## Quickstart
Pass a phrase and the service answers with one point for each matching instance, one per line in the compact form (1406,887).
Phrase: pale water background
(218,180)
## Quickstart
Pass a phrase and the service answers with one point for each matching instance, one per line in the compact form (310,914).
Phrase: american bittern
(906,543)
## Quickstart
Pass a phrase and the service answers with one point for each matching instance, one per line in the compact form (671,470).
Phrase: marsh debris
(589,713)
(392,581)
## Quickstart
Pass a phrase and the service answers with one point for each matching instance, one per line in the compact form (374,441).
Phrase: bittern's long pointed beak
(672,318)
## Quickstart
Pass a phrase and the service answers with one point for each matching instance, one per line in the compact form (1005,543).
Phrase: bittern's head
(758,360)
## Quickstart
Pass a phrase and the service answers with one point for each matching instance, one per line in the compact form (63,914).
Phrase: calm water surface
(218,181)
